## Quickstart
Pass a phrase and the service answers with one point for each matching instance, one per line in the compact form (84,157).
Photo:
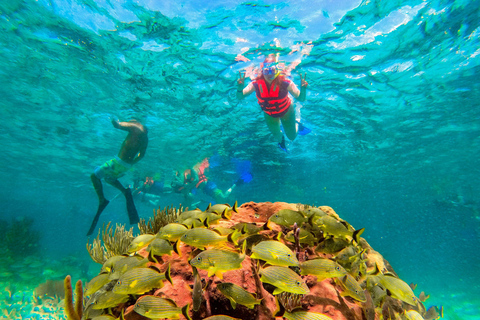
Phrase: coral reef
(258,261)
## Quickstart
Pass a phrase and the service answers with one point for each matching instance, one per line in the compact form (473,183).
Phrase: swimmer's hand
(115,121)
(303,80)
(241,80)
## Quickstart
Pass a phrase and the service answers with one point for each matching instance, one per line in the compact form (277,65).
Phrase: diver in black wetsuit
(132,150)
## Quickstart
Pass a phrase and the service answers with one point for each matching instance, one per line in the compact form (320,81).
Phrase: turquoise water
(392,103)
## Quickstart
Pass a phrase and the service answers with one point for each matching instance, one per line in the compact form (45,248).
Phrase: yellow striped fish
(352,288)
(413,315)
(237,294)
(220,317)
(125,264)
(140,242)
(159,247)
(197,292)
(201,237)
(107,265)
(188,214)
(172,232)
(138,281)
(109,299)
(314,212)
(305,315)
(220,208)
(399,289)
(304,236)
(154,307)
(284,279)
(322,269)
(217,261)
(104,317)
(96,283)
(275,253)
(287,218)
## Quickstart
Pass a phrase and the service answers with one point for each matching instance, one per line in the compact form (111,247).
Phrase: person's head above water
(270,68)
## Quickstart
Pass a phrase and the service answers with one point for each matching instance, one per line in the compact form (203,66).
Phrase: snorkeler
(195,179)
(132,150)
(272,88)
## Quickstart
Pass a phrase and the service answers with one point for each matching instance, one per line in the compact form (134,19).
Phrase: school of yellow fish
(311,243)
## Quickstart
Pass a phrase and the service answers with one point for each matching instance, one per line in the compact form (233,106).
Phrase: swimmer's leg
(127,192)
(290,124)
(102,202)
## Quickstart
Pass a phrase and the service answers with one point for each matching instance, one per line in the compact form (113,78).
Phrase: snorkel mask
(270,70)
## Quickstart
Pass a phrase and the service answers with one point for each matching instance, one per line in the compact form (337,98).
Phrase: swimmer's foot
(302,130)
(100,209)
(282,145)
(132,211)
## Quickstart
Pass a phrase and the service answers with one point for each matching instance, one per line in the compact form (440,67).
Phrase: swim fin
(100,209)
(131,210)
(302,130)
(282,145)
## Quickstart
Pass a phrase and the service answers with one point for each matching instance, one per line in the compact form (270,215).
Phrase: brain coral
(258,261)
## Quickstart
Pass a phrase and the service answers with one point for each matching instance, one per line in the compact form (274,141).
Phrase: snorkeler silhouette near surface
(132,150)
(272,88)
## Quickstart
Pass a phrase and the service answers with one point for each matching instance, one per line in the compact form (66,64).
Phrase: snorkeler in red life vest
(272,89)
(195,178)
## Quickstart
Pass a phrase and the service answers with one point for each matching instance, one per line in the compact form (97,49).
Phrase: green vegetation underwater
(392,104)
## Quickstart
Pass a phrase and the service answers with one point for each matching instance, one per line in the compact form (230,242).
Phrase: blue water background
(393,104)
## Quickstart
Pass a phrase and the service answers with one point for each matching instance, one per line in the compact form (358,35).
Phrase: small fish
(287,218)
(332,245)
(423,297)
(104,317)
(314,212)
(197,292)
(159,247)
(107,265)
(322,269)
(201,237)
(304,236)
(138,281)
(154,307)
(398,288)
(413,315)
(434,312)
(209,218)
(352,288)
(413,286)
(217,261)
(248,228)
(188,214)
(237,294)
(140,242)
(172,232)
(336,228)
(275,253)
(220,208)
(305,315)
(96,283)
(193,223)
(109,299)
(125,264)
(284,279)
(221,317)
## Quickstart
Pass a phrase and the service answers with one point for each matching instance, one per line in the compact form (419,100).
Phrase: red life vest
(274,101)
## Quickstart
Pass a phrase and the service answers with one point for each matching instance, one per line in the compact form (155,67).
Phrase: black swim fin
(97,216)
(132,211)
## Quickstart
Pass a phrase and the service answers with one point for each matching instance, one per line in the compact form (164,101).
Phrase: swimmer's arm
(300,95)
(241,93)
(126,126)
(141,153)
